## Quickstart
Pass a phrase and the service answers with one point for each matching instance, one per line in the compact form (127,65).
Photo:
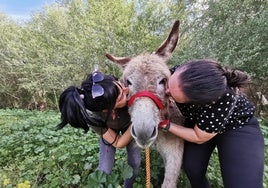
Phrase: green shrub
(34,155)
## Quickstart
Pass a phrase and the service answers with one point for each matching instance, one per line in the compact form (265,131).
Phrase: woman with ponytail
(100,104)
(217,114)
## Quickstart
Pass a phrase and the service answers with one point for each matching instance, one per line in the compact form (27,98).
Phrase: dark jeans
(107,157)
(241,155)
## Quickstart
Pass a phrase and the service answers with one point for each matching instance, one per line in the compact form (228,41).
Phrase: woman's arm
(118,141)
(194,135)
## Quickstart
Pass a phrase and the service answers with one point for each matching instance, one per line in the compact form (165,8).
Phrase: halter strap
(146,94)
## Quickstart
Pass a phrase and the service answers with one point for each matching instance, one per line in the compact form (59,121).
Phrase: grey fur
(147,72)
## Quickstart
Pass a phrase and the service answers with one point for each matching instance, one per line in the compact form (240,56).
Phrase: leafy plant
(34,154)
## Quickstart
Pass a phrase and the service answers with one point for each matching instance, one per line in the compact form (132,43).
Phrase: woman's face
(174,89)
(121,100)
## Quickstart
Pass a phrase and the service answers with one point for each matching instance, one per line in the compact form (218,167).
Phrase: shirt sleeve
(212,117)
(98,125)
(99,130)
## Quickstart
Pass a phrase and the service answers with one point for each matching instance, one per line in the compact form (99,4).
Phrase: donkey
(146,76)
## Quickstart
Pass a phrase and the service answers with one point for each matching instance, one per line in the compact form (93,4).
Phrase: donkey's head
(146,76)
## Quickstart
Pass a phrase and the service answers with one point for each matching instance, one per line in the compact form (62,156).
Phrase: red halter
(146,94)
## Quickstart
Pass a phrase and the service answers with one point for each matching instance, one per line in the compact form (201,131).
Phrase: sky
(22,9)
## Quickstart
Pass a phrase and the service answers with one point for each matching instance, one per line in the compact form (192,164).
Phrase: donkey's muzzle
(146,138)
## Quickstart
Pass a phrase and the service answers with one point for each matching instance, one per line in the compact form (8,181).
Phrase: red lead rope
(146,94)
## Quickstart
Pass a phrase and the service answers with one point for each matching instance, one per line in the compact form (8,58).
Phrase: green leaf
(76,179)
(97,177)
(127,171)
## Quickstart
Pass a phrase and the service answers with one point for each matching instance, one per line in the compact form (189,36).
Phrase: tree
(233,32)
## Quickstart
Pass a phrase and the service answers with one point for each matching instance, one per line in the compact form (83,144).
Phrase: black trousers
(241,155)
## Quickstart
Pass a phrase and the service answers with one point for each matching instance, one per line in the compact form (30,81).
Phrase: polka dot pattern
(227,113)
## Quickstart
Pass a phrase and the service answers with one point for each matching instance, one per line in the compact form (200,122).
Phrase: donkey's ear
(168,46)
(118,60)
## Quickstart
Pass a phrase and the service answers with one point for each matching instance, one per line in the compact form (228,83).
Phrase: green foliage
(264,127)
(233,32)
(32,152)
(264,123)
(61,43)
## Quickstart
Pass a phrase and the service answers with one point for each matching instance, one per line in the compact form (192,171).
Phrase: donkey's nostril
(133,132)
(154,133)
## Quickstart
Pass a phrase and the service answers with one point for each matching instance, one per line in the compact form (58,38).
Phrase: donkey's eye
(163,81)
(128,83)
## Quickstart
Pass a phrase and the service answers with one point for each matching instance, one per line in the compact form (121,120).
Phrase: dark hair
(204,80)
(74,109)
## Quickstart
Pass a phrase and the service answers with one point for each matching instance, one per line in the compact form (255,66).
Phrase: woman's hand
(118,141)
(195,135)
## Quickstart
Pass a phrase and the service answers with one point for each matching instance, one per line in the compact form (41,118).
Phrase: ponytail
(72,109)
(235,78)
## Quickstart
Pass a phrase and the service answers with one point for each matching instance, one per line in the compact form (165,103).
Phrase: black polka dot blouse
(229,112)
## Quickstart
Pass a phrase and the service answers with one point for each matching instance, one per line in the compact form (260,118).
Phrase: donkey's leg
(171,149)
